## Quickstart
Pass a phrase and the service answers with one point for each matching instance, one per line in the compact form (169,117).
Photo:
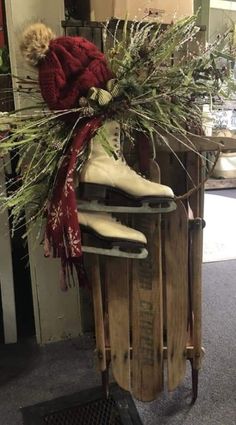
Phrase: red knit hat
(72,65)
(68,66)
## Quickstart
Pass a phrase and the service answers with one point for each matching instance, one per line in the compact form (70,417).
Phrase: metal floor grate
(88,407)
(98,412)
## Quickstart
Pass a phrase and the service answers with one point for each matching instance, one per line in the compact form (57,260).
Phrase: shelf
(179,143)
(214,184)
(77,23)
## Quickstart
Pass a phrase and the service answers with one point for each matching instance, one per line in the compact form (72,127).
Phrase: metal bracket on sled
(197,222)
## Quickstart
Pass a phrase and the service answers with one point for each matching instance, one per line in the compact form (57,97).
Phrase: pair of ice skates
(107,184)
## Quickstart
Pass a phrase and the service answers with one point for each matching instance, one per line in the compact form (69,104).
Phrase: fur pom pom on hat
(35,42)
(68,66)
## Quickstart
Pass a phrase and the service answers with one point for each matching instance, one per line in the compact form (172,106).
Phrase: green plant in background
(164,76)
(161,79)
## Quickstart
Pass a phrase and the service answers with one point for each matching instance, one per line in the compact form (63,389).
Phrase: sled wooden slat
(176,278)
(117,277)
(195,169)
(147,358)
(147,312)
(192,165)
(195,209)
(197,243)
(98,312)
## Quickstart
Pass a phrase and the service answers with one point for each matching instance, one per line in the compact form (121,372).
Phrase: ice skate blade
(98,197)
(115,252)
(166,207)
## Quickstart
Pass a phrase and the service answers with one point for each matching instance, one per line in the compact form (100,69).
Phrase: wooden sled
(148,312)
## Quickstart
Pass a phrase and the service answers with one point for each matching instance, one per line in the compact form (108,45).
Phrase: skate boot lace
(120,157)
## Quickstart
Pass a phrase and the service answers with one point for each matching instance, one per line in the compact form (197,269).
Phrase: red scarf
(62,229)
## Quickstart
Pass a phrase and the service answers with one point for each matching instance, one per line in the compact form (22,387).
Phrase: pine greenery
(162,76)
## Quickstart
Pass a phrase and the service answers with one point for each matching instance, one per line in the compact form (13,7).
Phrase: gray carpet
(216,404)
(29,374)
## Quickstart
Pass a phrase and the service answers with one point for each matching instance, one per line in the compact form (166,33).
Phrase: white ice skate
(107,236)
(107,183)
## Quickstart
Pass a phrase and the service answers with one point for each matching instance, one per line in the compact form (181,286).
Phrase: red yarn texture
(71,66)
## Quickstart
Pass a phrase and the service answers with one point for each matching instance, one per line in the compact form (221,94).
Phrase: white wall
(223,4)
(57,314)
(19,14)
(220,21)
